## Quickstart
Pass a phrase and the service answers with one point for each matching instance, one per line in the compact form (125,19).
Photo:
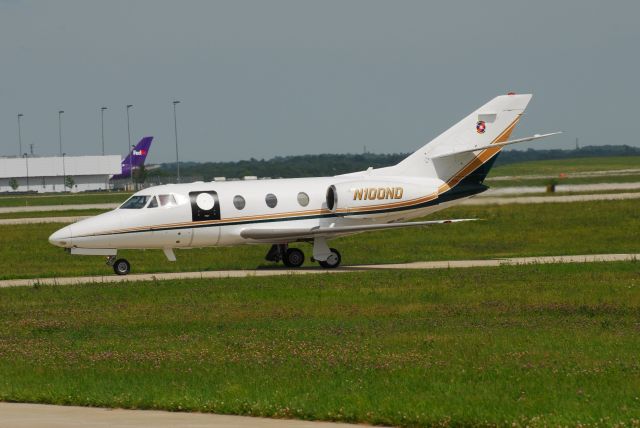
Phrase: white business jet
(450,168)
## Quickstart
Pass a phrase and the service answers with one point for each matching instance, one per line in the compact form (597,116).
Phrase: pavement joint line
(255,273)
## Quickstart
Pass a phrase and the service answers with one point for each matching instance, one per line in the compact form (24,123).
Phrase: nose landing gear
(120,266)
(333,261)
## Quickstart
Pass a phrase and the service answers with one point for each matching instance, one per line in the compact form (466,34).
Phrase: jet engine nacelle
(369,197)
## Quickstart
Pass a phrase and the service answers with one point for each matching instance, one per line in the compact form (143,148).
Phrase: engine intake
(332,198)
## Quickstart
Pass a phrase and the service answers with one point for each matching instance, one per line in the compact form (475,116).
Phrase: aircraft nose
(62,237)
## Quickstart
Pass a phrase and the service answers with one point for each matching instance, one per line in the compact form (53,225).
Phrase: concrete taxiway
(23,415)
(550,199)
(38,220)
(582,174)
(445,264)
(40,208)
(582,188)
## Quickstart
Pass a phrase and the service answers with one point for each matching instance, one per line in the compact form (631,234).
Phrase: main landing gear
(290,257)
(120,266)
(294,257)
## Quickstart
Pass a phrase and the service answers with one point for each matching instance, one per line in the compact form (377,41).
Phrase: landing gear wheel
(121,267)
(293,257)
(333,261)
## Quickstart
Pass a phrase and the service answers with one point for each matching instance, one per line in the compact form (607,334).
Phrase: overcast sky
(272,78)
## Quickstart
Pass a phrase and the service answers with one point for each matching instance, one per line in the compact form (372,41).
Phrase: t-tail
(135,159)
(463,155)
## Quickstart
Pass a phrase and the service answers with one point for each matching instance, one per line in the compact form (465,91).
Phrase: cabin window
(239,202)
(153,203)
(167,200)
(303,199)
(135,202)
(271,200)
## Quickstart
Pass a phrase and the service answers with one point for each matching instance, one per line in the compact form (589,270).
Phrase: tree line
(333,164)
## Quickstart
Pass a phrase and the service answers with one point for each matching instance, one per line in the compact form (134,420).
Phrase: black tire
(333,261)
(293,257)
(121,267)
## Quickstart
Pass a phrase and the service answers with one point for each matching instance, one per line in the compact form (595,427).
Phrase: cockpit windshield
(135,202)
(167,200)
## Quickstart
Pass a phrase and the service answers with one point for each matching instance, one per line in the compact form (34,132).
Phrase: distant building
(48,174)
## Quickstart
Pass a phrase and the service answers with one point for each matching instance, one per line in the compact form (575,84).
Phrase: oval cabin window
(271,200)
(238,202)
(303,199)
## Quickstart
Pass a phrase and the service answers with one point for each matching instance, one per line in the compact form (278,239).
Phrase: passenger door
(205,213)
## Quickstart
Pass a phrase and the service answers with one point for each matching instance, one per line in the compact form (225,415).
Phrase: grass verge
(527,345)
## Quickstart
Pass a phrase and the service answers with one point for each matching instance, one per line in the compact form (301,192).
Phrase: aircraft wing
(489,146)
(328,231)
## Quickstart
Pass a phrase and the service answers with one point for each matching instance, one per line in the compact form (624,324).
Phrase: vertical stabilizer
(492,123)
(135,159)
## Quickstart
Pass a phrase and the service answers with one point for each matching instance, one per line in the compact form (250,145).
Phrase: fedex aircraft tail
(135,159)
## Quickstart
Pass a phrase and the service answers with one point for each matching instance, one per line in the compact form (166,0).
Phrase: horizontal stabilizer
(314,232)
(489,146)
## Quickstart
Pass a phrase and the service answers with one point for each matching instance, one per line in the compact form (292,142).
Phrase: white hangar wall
(47,174)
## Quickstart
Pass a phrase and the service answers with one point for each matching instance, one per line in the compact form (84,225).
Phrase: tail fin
(136,157)
(451,156)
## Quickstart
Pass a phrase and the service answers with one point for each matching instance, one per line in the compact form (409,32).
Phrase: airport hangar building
(48,174)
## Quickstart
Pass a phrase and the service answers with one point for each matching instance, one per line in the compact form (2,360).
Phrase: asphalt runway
(24,415)
(445,264)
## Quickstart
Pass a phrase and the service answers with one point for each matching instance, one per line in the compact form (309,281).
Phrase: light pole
(102,109)
(19,134)
(175,128)
(26,160)
(60,129)
(131,152)
(133,184)
(64,174)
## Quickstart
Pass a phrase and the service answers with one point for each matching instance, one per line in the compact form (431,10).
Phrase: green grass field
(557,166)
(63,199)
(505,231)
(552,345)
